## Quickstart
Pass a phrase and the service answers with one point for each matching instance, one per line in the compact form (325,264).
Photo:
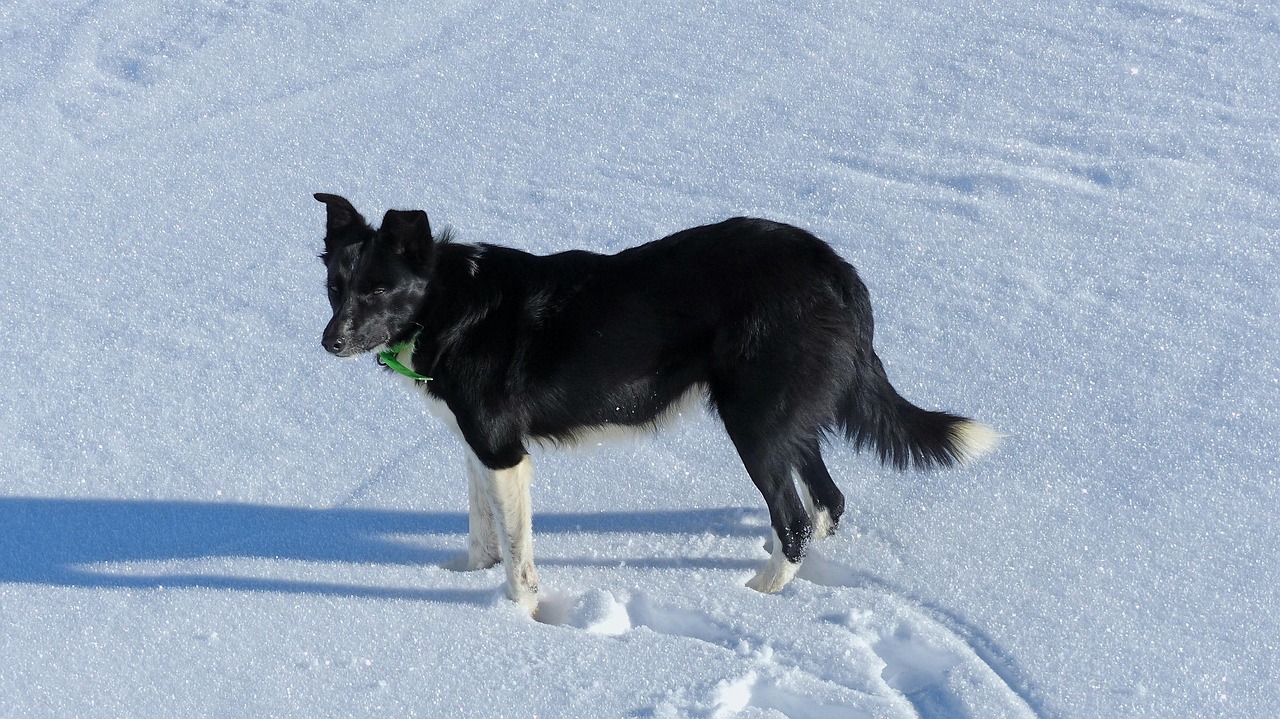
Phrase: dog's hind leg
(823,498)
(792,529)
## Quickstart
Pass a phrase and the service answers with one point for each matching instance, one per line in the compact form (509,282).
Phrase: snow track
(880,655)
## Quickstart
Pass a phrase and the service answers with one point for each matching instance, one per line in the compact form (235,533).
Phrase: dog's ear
(408,233)
(342,218)
(341,214)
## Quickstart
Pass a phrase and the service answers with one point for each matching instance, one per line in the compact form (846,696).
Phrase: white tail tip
(971,440)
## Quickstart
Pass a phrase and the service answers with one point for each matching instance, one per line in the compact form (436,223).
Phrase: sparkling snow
(1068,216)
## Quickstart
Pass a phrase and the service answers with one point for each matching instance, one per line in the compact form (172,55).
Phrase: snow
(1067,216)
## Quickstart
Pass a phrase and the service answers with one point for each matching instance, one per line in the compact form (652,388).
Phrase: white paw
(525,597)
(776,572)
(773,577)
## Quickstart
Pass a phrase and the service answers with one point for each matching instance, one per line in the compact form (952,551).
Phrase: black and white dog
(763,320)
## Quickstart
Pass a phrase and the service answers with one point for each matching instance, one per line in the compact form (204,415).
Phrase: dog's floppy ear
(407,232)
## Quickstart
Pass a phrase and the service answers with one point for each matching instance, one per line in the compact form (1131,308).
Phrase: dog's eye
(379,290)
(333,288)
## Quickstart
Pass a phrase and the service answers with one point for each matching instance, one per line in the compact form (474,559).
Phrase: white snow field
(1068,215)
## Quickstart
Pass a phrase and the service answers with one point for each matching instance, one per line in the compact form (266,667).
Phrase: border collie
(762,320)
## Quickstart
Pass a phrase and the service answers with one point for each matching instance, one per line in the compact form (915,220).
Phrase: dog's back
(749,311)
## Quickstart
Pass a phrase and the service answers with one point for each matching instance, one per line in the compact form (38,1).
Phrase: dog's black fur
(764,319)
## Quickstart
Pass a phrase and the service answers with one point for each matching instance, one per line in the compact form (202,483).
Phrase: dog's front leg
(513,517)
(482,537)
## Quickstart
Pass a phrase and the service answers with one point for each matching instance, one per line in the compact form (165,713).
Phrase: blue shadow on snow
(56,541)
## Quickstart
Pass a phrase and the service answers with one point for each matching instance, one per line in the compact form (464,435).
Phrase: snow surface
(1067,214)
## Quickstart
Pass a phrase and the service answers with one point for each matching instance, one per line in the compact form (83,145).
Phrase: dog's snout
(336,338)
(334,345)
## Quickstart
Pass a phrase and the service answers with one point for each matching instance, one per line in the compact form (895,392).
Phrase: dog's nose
(333,345)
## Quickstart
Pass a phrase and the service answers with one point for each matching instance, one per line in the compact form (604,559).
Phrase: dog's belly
(588,435)
(601,414)
(623,424)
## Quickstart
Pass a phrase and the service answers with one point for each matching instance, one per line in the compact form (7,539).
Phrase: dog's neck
(444,315)
(391,359)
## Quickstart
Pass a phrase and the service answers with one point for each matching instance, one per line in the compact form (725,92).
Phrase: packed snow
(1067,215)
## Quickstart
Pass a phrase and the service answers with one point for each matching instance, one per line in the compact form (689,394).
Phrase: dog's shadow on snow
(65,542)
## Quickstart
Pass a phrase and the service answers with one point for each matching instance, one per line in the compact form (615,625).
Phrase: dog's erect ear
(342,225)
(342,216)
(407,232)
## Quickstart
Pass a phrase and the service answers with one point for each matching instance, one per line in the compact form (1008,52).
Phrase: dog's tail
(873,414)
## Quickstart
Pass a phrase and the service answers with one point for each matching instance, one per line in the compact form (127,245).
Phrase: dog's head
(377,278)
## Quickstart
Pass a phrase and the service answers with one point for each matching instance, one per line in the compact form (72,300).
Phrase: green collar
(390,358)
